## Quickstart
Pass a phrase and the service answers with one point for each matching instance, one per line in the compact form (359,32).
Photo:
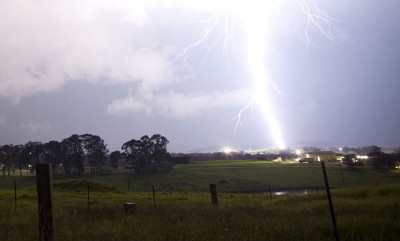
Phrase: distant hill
(308,145)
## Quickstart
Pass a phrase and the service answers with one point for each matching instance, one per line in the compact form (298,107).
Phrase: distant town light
(227,150)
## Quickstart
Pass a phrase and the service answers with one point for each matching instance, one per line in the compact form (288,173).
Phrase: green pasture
(366,213)
(90,207)
(230,176)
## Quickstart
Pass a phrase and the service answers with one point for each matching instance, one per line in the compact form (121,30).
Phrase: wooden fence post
(88,194)
(45,201)
(15,195)
(270,191)
(154,196)
(213,191)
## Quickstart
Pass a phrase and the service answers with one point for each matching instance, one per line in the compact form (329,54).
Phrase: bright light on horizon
(227,150)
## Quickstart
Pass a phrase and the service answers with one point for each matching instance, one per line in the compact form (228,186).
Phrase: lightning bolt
(254,17)
(318,18)
(211,23)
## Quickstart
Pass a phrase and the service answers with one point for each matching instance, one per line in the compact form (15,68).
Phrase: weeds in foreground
(362,214)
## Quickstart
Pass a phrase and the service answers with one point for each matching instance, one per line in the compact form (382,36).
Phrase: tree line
(146,150)
(70,154)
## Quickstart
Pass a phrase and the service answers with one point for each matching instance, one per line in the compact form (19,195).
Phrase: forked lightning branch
(254,17)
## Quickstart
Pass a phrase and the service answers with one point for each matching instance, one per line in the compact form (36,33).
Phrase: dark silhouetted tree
(380,160)
(32,154)
(115,156)
(146,150)
(350,160)
(6,159)
(16,158)
(159,148)
(134,154)
(53,153)
(73,151)
(95,150)
(181,159)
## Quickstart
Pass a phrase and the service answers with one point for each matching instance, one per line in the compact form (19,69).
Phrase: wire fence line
(257,179)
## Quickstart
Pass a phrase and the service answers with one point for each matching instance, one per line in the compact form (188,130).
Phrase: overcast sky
(123,69)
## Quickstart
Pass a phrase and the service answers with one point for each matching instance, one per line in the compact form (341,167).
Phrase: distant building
(329,156)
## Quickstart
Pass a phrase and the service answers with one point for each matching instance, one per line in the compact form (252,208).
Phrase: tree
(146,150)
(32,154)
(181,159)
(134,154)
(6,158)
(115,156)
(73,154)
(53,153)
(376,151)
(350,160)
(16,158)
(380,160)
(10,158)
(96,151)
(159,148)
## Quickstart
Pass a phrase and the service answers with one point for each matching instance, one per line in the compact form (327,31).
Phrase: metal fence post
(328,192)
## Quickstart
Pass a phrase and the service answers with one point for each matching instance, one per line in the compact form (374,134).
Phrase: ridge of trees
(70,154)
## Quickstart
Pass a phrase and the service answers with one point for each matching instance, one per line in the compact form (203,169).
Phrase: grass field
(366,204)
(230,176)
(361,213)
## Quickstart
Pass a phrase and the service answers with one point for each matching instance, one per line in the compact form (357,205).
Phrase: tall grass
(366,204)
(362,214)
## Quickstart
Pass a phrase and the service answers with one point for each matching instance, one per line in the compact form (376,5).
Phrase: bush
(183,159)
(384,162)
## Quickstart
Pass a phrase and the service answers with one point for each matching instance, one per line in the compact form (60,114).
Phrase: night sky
(116,69)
